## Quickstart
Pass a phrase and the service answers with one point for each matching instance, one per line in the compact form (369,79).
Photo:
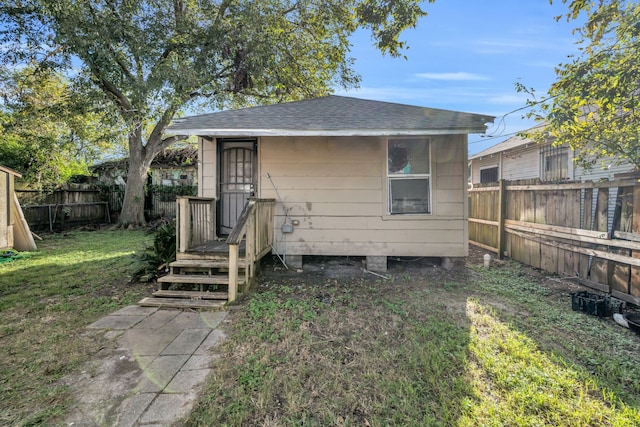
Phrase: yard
(335,345)
(496,347)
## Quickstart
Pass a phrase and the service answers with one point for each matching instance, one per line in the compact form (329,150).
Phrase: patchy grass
(424,348)
(47,298)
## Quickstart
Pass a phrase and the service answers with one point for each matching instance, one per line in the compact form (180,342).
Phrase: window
(489,175)
(555,163)
(409,176)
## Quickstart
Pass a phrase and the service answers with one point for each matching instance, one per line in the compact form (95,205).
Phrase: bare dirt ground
(414,273)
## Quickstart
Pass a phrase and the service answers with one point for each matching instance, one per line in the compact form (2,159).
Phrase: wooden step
(199,279)
(198,263)
(206,256)
(182,303)
(191,294)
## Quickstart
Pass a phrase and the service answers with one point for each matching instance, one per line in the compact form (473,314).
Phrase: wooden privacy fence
(589,232)
(77,204)
(60,217)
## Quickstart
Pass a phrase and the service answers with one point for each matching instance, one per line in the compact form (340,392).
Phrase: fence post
(501,210)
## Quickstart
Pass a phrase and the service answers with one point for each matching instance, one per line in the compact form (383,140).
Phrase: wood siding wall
(335,189)
(6,195)
(207,170)
(516,164)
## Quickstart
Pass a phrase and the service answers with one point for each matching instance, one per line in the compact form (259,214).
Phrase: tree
(594,106)
(48,131)
(153,59)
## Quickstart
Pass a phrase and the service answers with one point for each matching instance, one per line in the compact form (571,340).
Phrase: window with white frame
(409,176)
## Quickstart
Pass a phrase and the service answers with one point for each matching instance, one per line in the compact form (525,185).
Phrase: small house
(350,177)
(14,230)
(171,168)
(331,176)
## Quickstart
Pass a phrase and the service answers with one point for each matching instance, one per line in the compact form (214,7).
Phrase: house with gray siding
(519,158)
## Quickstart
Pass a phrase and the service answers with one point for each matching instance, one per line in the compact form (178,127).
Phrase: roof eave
(344,132)
(10,171)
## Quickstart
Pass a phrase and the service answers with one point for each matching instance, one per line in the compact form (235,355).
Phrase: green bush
(155,259)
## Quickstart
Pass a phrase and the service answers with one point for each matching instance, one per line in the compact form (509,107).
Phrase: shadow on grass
(421,347)
(559,366)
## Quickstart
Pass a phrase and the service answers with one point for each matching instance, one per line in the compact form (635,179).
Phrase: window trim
(547,154)
(389,177)
(496,167)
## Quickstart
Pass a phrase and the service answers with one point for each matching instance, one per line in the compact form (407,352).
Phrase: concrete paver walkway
(155,372)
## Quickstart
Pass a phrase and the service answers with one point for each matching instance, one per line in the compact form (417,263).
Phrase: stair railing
(255,226)
(195,221)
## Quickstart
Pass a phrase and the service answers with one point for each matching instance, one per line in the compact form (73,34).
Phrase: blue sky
(467,55)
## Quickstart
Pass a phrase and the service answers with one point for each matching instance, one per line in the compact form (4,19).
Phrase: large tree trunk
(140,158)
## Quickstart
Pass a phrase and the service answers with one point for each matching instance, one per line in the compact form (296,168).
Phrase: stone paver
(167,409)
(187,341)
(117,322)
(160,361)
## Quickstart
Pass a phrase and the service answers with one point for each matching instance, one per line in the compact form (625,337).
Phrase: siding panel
(335,188)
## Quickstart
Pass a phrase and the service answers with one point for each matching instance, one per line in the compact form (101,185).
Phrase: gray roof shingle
(331,116)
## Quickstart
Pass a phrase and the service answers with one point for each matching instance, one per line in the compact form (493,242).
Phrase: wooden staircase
(208,272)
(194,282)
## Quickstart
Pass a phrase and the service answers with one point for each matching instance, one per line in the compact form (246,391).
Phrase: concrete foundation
(294,261)
(377,263)
(453,263)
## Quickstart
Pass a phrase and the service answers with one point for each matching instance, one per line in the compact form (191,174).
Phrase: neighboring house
(522,158)
(172,167)
(350,176)
(14,230)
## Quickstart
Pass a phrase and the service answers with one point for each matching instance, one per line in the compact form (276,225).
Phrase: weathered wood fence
(78,204)
(589,232)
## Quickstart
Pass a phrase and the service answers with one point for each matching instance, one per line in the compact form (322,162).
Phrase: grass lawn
(334,346)
(47,298)
(496,347)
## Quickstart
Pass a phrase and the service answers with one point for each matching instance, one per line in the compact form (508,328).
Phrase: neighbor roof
(509,144)
(331,116)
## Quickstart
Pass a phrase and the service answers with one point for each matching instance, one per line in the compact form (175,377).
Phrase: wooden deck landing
(213,250)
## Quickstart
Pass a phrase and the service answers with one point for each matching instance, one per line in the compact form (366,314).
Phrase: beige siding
(335,189)
(207,172)
(5,203)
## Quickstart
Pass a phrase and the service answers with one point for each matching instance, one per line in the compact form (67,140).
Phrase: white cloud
(458,76)
(509,99)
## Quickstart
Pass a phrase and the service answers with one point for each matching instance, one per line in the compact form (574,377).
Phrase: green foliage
(153,60)
(594,106)
(156,257)
(49,132)
(168,193)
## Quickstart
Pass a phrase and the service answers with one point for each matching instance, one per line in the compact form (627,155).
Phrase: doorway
(238,176)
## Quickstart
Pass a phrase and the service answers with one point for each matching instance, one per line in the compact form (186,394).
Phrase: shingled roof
(512,143)
(331,116)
